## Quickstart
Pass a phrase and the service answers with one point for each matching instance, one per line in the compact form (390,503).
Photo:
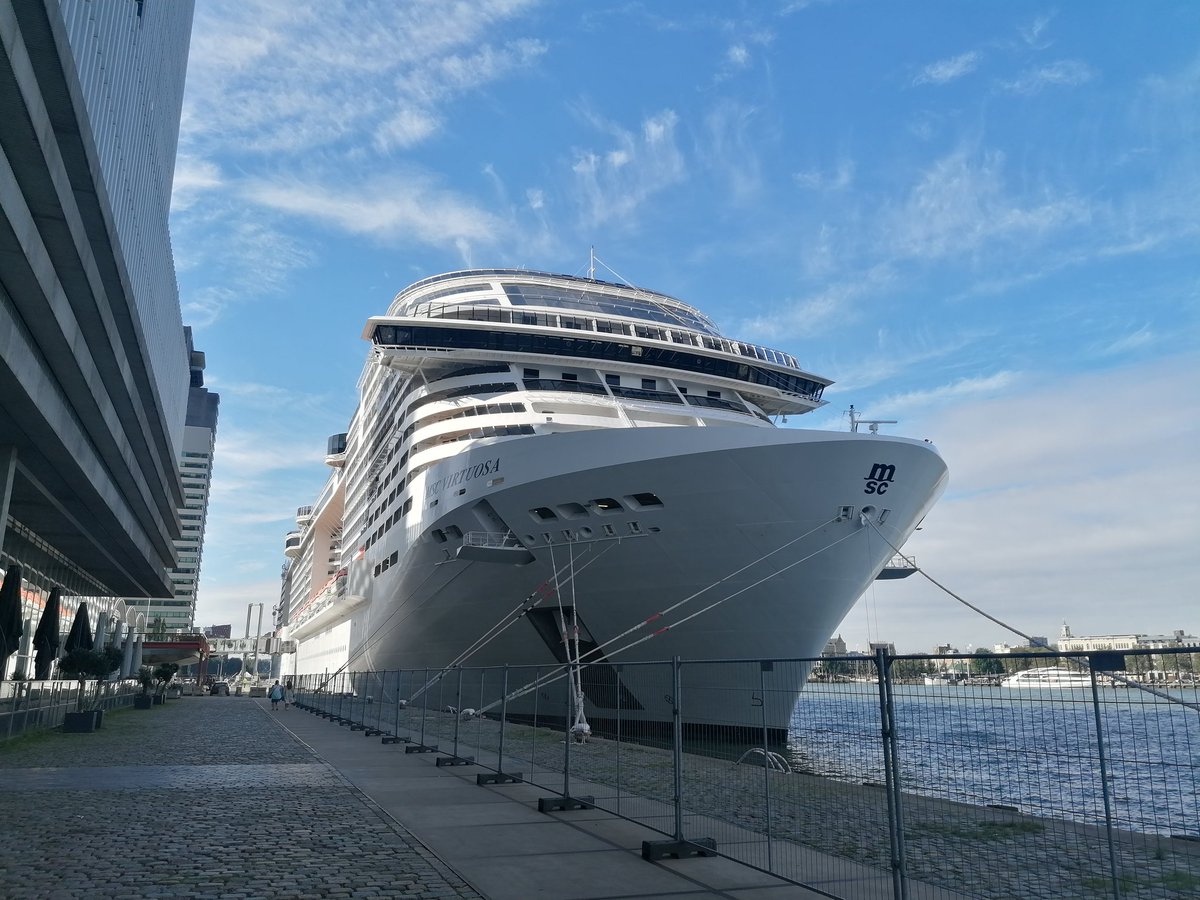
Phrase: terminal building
(94,362)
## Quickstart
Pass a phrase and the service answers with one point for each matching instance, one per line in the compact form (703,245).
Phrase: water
(1035,750)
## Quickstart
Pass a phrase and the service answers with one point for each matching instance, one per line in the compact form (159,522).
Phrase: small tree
(145,677)
(163,673)
(85,664)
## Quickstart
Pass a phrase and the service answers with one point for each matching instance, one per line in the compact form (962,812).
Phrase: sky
(981,220)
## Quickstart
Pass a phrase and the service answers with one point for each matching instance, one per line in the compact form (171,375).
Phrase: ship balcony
(329,607)
(291,544)
(304,515)
(897,567)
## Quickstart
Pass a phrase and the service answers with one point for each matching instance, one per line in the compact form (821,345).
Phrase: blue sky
(982,220)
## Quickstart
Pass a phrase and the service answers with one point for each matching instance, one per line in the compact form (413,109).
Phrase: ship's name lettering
(881,478)
(479,470)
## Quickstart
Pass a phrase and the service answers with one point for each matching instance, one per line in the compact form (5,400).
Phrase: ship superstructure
(552,443)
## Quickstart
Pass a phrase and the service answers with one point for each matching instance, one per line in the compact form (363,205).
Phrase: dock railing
(27,706)
(889,776)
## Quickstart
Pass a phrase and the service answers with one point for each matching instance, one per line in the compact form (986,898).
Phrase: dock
(213,796)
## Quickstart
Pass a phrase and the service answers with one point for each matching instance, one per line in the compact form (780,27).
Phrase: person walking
(276,694)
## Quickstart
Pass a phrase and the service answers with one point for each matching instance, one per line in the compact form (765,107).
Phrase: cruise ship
(532,450)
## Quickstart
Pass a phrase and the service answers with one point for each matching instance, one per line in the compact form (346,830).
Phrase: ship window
(606,504)
(438,535)
(569,376)
(683,390)
(612,379)
(544,513)
(532,373)
(407,507)
(385,565)
(376,571)
(395,556)
(649,384)
(641,501)
(714,394)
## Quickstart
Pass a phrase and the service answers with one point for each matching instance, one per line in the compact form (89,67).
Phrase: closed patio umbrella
(46,638)
(80,635)
(10,615)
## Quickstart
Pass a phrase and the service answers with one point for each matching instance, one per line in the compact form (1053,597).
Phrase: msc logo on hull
(881,478)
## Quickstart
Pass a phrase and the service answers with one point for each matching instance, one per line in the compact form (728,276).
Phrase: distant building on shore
(835,646)
(1069,643)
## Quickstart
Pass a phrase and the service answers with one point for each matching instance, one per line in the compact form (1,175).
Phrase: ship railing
(862,785)
(492,540)
(667,332)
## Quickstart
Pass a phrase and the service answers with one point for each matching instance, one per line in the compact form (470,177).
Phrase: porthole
(585,532)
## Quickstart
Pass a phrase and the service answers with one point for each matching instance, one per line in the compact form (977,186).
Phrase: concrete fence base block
(653,850)
(499,778)
(556,804)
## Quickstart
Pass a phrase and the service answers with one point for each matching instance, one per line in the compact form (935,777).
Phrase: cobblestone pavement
(202,797)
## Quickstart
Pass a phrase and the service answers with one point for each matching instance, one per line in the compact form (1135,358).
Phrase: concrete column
(137,652)
(25,652)
(8,470)
(127,669)
(101,633)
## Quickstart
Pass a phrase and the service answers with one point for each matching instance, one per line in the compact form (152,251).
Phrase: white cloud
(611,185)
(291,78)
(737,56)
(192,177)
(1136,340)
(1032,33)
(839,179)
(947,70)
(399,207)
(955,392)
(959,205)
(1065,73)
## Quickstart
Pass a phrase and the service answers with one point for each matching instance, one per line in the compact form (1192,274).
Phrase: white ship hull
(763,527)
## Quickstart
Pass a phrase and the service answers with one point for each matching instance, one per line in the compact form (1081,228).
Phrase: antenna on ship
(872,424)
(592,263)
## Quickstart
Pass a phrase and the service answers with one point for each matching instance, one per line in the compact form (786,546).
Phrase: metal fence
(40,705)
(913,776)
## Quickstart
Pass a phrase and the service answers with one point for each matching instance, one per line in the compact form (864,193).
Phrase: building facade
(93,359)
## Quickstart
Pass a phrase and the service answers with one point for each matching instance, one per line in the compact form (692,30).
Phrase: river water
(1035,750)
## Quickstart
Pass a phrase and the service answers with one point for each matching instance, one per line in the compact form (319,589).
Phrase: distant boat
(1048,677)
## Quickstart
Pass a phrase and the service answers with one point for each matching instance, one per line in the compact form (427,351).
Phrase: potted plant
(163,673)
(145,677)
(82,665)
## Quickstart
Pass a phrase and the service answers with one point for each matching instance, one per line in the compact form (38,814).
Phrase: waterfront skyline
(983,225)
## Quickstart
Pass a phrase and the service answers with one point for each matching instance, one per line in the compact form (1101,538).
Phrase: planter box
(81,722)
(159,699)
(143,701)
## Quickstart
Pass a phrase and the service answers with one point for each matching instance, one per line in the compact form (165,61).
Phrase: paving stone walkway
(202,797)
